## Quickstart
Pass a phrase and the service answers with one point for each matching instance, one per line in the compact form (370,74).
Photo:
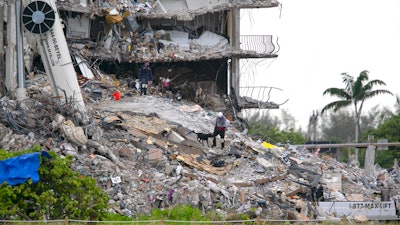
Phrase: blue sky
(319,40)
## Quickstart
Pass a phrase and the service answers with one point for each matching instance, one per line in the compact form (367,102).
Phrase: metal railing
(347,145)
(260,44)
(260,93)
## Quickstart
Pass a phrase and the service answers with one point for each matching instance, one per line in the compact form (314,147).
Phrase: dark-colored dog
(201,137)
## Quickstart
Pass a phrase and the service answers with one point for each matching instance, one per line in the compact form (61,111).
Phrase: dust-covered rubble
(143,152)
(127,38)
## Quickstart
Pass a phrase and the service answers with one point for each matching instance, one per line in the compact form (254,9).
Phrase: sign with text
(372,210)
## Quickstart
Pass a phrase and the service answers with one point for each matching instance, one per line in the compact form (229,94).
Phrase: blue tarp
(18,170)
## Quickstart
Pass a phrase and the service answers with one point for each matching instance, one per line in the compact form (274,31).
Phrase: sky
(319,40)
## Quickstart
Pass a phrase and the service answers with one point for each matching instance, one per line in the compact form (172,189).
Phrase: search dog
(201,137)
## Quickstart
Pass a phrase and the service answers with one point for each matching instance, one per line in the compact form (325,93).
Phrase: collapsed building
(142,151)
(196,45)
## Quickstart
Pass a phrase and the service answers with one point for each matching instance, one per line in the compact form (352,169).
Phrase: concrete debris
(73,133)
(136,43)
(125,34)
(144,154)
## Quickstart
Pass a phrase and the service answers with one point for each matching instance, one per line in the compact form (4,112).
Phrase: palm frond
(374,93)
(372,83)
(337,92)
(358,87)
(348,82)
(364,73)
(397,104)
(336,105)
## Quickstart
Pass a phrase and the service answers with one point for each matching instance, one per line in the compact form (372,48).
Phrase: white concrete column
(11,59)
(235,44)
(21,91)
(2,64)
(57,61)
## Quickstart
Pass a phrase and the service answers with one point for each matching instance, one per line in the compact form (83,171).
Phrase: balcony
(257,46)
(252,97)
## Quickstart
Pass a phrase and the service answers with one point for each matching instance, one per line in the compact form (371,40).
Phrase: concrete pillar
(21,92)
(235,44)
(11,59)
(57,62)
(2,65)
(369,166)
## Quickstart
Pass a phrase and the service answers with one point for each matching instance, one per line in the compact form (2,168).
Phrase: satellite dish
(38,17)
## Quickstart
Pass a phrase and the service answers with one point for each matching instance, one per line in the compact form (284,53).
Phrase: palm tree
(312,125)
(397,105)
(354,93)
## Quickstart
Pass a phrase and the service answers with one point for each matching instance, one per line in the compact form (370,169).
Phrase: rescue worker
(221,125)
(145,76)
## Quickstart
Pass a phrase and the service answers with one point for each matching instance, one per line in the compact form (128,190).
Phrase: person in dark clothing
(145,76)
(221,124)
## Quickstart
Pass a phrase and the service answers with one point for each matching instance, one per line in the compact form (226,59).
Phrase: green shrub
(60,192)
(116,217)
(274,135)
(179,212)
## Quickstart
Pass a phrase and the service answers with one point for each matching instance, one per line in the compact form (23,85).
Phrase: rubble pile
(158,45)
(143,152)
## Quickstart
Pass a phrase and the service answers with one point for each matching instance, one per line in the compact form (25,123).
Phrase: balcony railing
(259,44)
(257,97)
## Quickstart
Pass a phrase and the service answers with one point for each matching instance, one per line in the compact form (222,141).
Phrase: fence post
(369,164)
(66,220)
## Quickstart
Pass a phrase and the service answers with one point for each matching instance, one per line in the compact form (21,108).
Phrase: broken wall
(78,27)
(190,4)
(214,22)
